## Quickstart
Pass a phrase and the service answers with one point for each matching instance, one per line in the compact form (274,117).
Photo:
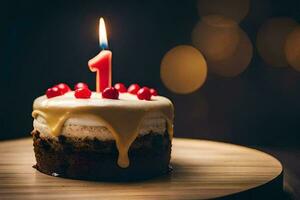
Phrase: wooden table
(202,170)
(290,158)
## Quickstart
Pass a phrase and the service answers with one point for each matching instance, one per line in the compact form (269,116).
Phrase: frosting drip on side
(121,117)
(86,128)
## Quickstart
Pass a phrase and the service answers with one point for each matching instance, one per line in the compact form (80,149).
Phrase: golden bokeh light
(234,9)
(226,47)
(237,62)
(216,36)
(183,69)
(271,39)
(292,49)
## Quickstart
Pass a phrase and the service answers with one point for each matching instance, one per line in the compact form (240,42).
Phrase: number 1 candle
(101,64)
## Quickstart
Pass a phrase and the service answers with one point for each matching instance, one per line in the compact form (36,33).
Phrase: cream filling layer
(123,117)
(85,127)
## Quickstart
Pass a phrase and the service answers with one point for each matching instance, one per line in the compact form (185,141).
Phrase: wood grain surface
(202,170)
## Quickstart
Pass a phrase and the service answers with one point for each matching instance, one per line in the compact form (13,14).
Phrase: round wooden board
(202,170)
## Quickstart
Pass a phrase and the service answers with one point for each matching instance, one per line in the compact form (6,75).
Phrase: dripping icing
(121,117)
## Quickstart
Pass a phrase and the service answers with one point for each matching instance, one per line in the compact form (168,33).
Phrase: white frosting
(122,120)
(96,100)
(86,127)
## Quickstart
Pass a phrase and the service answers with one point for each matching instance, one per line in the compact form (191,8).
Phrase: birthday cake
(117,134)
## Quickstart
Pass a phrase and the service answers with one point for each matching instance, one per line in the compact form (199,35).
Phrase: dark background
(47,42)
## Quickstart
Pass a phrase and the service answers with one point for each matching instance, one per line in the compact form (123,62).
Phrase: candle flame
(102,34)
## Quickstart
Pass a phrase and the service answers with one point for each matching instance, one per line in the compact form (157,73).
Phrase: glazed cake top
(122,117)
(126,100)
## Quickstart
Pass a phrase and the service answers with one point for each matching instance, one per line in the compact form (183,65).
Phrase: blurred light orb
(292,49)
(271,39)
(216,36)
(183,69)
(234,9)
(237,62)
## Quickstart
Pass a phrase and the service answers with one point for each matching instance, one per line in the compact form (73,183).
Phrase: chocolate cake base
(93,159)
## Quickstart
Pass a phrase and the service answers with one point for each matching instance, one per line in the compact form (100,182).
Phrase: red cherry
(64,88)
(83,93)
(133,88)
(53,92)
(144,94)
(80,85)
(110,93)
(153,92)
(120,87)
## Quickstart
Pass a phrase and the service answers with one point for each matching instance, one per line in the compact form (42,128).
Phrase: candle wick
(103,46)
